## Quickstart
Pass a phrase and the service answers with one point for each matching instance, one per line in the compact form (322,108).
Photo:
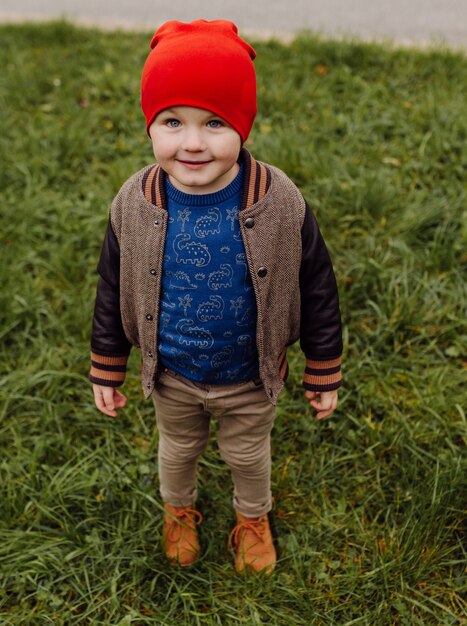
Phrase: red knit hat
(201,64)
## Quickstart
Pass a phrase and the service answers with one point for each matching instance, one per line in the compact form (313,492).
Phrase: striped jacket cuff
(109,371)
(322,375)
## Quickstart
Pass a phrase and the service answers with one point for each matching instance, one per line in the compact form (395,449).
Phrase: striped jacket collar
(256,184)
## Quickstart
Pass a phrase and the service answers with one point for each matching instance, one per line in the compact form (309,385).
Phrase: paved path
(404,21)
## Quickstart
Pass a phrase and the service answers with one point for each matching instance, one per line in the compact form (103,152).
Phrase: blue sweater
(207,329)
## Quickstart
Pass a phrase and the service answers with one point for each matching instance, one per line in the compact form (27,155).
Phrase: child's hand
(108,399)
(325,402)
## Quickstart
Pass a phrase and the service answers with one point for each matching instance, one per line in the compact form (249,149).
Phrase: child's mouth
(194,165)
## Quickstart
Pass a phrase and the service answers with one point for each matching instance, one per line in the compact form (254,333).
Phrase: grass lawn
(368,505)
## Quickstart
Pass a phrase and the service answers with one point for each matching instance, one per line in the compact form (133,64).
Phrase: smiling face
(197,149)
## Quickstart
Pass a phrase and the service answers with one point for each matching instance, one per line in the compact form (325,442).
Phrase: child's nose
(193,140)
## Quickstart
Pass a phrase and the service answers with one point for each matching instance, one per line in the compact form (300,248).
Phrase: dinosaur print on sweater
(208,316)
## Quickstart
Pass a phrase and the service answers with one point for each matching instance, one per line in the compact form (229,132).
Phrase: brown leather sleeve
(109,346)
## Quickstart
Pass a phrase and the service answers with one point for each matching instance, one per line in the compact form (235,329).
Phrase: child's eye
(215,124)
(173,123)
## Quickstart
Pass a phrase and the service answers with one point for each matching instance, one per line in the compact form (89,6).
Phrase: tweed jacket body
(293,280)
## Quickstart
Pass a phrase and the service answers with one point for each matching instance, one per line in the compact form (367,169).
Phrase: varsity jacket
(293,280)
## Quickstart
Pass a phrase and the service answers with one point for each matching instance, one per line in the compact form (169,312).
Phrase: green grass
(368,505)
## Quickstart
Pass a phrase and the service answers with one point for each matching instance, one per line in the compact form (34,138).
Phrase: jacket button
(150,355)
(249,222)
(262,272)
(149,317)
(152,272)
(156,222)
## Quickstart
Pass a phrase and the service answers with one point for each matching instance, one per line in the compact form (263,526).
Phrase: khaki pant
(245,420)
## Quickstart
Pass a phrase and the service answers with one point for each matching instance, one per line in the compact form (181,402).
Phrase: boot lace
(258,527)
(179,520)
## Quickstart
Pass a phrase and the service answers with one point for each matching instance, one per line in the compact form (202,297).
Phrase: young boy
(212,265)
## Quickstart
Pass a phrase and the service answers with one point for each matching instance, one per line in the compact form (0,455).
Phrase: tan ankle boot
(180,536)
(253,544)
